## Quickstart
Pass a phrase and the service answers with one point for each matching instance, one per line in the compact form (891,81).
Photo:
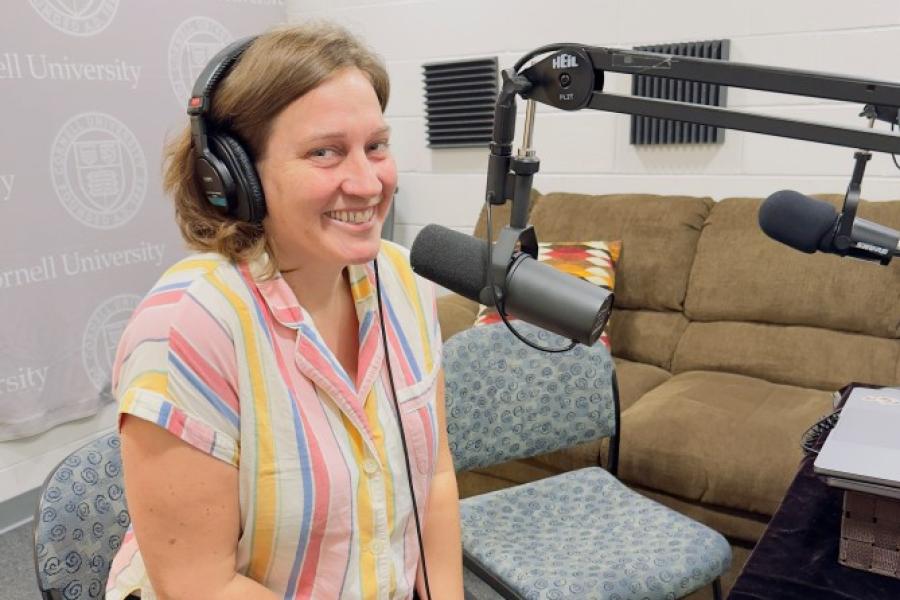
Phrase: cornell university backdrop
(89,91)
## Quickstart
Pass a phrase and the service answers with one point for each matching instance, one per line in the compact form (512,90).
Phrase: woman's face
(328,175)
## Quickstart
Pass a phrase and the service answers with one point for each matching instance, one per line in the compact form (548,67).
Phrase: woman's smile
(360,217)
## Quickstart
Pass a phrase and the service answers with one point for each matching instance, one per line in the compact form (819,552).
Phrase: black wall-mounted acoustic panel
(650,130)
(459,102)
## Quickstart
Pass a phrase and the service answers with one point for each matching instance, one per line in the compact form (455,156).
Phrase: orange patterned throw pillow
(594,262)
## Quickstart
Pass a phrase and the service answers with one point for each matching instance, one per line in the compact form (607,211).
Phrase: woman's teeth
(352,216)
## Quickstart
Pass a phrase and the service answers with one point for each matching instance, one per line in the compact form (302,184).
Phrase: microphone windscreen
(799,221)
(451,259)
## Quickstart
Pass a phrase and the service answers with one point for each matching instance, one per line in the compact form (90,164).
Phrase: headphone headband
(201,96)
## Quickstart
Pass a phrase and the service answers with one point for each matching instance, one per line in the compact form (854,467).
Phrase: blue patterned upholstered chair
(580,534)
(80,522)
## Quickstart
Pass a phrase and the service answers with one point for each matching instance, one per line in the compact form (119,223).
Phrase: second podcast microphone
(807,224)
(533,292)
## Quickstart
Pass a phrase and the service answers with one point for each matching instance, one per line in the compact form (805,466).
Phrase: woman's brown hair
(279,66)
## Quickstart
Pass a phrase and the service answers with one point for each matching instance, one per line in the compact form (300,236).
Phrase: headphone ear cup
(250,203)
(215,180)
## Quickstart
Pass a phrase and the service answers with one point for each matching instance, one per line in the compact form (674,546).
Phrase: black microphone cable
(412,492)
(809,442)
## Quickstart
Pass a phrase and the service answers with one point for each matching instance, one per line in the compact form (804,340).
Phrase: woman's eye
(323,152)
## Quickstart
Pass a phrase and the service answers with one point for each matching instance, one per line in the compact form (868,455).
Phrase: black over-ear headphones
(225,170)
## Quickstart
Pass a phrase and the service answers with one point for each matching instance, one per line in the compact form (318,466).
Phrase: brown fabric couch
(727,345)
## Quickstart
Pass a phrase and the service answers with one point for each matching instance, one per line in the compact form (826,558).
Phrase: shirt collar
(277,294)
(312,356)
(283,304)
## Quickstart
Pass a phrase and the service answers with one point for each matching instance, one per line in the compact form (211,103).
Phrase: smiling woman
(262,382)
(272,76)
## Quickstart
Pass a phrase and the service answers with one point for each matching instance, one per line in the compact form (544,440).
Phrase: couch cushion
(739,274)
(720,438)
(636,379)
(646,336)
(803,356)
(455,314)
(659,236)
(498,477)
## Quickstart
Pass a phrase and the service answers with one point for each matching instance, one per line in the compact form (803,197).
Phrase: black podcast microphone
(807,224)
(532,291)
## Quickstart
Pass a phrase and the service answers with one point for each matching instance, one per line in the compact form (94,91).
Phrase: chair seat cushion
(583,534)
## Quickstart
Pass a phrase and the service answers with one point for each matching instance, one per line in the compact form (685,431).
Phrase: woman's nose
(361,178)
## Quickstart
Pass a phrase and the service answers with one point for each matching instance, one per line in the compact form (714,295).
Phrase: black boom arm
(571,78)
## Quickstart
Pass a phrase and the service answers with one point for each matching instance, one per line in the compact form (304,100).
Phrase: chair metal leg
(717,588)
(612,456)
(498,585)
(614,442)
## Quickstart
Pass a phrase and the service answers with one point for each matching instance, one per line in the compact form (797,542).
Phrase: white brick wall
(587,151)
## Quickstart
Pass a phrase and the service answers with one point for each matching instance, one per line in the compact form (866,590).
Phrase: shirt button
(370,466)
(377,547)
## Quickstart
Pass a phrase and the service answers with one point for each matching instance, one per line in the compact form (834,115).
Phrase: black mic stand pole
(509,174)
(843,236)
(844,241)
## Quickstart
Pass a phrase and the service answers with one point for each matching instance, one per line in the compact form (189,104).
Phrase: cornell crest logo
(77,17)
(101,336)
(192,45)
(98,170)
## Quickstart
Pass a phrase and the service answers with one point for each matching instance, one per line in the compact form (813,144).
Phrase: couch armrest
(455,313)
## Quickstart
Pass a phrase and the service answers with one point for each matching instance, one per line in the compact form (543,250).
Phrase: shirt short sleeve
(175,366)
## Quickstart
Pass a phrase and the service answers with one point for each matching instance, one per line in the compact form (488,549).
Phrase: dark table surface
(797,556)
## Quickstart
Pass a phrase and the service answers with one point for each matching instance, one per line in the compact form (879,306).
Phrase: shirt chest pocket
(419,417)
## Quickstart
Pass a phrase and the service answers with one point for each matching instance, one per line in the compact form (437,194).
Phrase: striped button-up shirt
(231,363)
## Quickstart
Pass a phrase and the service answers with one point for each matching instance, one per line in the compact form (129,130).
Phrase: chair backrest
(80,521)
(507,401)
